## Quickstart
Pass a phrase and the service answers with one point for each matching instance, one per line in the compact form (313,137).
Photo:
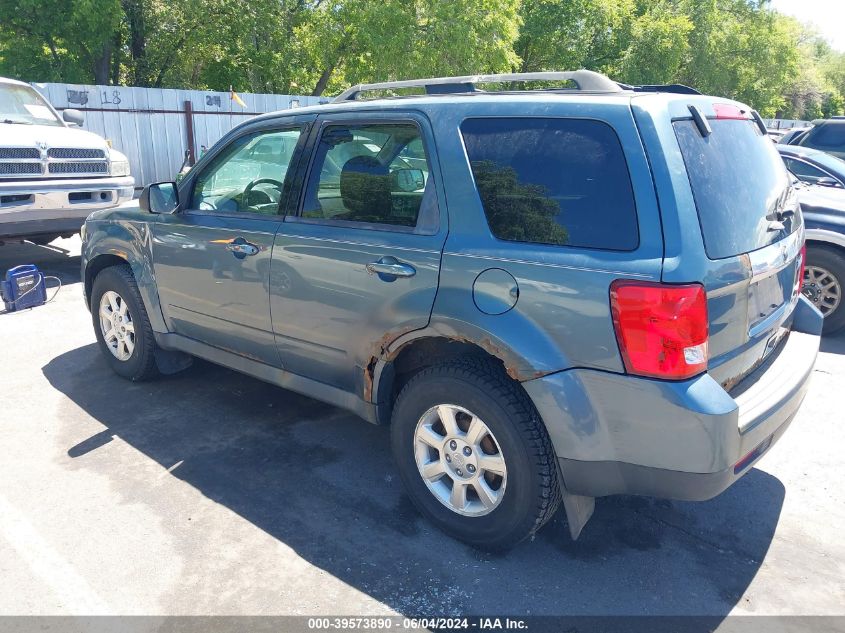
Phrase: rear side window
(805,172)
(553,181)
(739,183)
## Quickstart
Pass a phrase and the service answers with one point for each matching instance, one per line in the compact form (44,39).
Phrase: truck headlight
(119,164)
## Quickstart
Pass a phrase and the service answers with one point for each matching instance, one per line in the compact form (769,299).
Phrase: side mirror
(162,197)
(408,180)
(74,117)
(827,181)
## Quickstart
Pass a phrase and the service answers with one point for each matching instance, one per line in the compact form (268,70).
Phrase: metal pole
(189,127)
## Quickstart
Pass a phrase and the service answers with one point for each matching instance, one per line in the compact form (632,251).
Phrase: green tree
(66,40)
(348,41)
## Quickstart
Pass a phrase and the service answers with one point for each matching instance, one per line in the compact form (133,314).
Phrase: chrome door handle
(240,248)
(391,267)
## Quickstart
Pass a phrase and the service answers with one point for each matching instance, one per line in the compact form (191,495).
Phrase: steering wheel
(261,181)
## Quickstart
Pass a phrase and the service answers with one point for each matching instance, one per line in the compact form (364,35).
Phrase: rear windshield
(826,136)
(737,179)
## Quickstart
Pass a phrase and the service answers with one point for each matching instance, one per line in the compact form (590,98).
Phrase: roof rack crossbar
(586,80)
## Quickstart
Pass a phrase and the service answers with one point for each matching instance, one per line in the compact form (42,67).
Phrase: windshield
(21,104)
(741,187)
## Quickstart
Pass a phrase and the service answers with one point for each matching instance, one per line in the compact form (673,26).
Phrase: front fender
(130,241)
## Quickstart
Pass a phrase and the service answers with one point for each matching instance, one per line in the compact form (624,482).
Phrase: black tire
(141,363)
(480,385)
(833,261)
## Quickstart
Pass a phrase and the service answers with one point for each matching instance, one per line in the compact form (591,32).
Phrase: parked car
(550,295)
(792,133)
(827,135)
(822,198)
(52,173)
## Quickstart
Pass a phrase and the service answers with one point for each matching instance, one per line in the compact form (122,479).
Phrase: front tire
(121,325)
(473,453)
(824,283)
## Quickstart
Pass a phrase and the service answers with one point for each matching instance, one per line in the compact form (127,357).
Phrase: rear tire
(826,266)
(508,479)
(121,325)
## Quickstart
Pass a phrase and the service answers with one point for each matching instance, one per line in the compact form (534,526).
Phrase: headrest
(365,186)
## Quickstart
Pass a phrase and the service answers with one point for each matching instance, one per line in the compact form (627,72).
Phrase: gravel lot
(213,493)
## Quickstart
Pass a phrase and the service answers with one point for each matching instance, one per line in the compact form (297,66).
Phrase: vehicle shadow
(833,343)
(59,259)
(322,482)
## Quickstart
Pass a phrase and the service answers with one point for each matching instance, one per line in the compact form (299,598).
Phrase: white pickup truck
(52,173)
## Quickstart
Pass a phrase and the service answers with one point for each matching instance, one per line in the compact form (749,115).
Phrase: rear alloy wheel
(824,281)
(474,454)
(459,460)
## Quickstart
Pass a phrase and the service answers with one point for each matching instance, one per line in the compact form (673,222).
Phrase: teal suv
(550,295)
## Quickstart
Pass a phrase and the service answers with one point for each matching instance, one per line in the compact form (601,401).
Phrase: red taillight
(661,328)
(799,274)
(728,111)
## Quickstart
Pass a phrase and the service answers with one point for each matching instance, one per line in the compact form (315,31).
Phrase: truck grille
(19,152)
(79,168)
(56,162)
(23,169)
(74,152)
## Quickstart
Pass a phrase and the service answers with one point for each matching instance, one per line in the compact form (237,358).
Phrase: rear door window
(371,174)
(557,181)
(739,183)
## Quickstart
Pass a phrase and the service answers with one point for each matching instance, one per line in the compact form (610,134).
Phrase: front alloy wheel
(117,326)
(459,460)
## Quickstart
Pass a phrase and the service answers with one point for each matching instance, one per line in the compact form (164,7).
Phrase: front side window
(248,177)
(370,174)
(562,182)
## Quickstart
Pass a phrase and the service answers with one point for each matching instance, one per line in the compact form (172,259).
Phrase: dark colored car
(823,203)
(827,135)
(549,295)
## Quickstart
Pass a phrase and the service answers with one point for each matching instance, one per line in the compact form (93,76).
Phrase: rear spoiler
(680,89)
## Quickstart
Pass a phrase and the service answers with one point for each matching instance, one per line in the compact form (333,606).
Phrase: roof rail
(586,80)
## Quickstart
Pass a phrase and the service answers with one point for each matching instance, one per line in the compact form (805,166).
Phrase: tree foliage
(737,48)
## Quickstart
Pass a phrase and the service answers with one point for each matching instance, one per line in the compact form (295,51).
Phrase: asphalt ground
(210,492)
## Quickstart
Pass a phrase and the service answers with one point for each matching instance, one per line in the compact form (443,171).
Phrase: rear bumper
(618,434)
(57,206)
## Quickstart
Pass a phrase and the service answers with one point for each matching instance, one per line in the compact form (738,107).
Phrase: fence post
(189,128)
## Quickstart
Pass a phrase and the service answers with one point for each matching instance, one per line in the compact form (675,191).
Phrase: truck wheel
(824,282)
(473,453)
(121,325)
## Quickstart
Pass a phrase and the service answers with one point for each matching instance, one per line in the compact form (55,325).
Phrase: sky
(827,16)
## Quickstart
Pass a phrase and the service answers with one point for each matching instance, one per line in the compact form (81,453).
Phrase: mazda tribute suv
(550,295)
